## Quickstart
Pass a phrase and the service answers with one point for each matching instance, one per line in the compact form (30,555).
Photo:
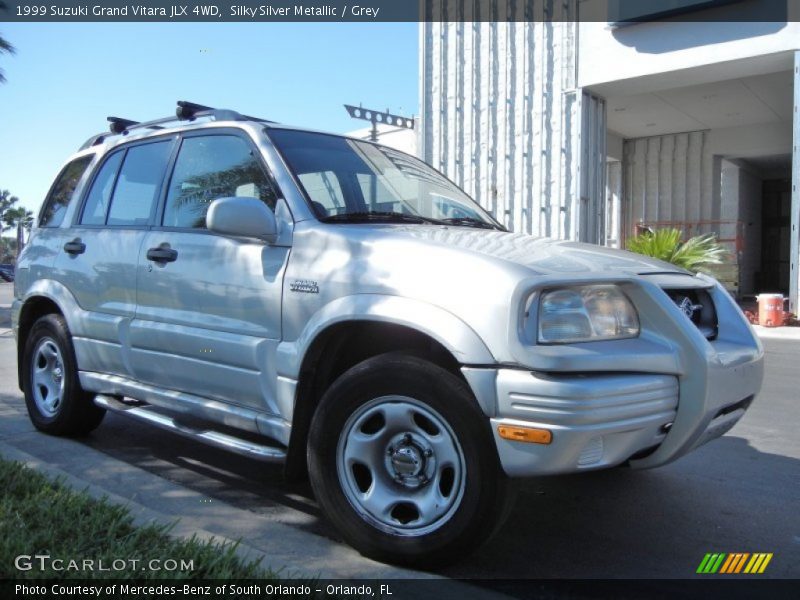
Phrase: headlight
(586,314)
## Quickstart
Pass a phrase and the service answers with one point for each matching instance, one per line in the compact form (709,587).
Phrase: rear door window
(138,183)
(55,206)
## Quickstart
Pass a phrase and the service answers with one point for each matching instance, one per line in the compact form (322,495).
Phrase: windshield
(349,181)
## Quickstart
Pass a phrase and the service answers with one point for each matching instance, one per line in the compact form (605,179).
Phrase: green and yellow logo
(736,562)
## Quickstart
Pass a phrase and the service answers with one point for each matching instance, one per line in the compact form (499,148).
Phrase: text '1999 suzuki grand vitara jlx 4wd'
(342,307)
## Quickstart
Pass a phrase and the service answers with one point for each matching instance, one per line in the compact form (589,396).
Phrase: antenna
(377,116)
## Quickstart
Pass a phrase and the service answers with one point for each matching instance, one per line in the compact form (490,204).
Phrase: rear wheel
(403,462)
(55,400)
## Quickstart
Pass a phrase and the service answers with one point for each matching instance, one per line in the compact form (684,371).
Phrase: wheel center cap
(57,374)
(407,461)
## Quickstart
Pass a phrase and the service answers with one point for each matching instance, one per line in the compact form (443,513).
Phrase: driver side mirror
(242,216)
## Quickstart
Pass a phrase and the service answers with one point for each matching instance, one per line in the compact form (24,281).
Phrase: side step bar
(206,436)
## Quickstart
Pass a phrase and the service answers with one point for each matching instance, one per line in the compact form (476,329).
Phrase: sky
(65,79)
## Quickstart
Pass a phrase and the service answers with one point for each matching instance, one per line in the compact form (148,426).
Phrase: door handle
(75,247)
(162,255)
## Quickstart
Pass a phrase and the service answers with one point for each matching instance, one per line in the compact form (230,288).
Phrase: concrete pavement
(737,494)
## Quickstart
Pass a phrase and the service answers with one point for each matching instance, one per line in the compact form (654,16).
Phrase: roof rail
(185,111)
(93,141)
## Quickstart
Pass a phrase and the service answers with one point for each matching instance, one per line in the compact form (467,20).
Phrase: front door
(208,317)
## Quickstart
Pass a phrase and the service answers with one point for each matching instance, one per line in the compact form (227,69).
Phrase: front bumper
(596,421)
(602,412)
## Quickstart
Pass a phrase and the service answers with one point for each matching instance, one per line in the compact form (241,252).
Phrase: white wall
(766,139)
(669,179)
(614,146)
(665,47)
(613,204)
(501,117)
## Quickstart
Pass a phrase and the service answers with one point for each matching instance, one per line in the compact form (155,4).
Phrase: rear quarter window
(94,213)
(55,206)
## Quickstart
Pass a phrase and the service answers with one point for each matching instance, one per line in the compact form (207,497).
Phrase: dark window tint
(62,191)
(137,184)
(208,168)
(94,213)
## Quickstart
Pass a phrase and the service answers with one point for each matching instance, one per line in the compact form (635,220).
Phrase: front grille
(698,307)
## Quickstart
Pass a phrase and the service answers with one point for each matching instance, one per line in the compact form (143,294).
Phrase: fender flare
(455,335)
(60,296)
(56,293)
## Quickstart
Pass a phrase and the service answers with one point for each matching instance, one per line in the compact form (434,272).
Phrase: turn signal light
(525,434)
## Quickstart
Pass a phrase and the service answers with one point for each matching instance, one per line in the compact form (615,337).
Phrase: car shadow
(243,482)
(612,523)
(658,523)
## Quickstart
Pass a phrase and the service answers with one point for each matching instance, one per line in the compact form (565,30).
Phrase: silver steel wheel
(47,377)
(401,466)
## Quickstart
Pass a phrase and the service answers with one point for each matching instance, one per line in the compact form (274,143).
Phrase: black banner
(614,12)
(739,588)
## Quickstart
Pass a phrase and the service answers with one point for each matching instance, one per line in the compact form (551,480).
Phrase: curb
(777,333)
(282,548)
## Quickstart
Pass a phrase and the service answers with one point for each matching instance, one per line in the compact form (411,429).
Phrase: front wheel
(403,462)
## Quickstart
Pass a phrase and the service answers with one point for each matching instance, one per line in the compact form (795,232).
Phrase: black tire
(478,505)
(74,413)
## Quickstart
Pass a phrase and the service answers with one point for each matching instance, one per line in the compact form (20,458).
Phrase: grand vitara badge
(304,285)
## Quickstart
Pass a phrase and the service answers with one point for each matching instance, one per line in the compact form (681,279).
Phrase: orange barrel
(770,310)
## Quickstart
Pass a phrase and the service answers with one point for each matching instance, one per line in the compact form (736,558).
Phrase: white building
(578,129)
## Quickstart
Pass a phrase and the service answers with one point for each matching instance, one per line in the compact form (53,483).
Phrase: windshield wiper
(469,222)
(362,216)
(389,216)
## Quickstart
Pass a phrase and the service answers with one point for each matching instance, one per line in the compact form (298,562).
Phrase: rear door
(208,316)
(48,239)
(99,259)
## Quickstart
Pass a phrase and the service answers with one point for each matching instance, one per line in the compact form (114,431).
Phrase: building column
(794,252)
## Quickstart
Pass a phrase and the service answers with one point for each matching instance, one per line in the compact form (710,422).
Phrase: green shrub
(665,244)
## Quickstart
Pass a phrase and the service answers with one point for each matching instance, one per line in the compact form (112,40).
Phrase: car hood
(541,255)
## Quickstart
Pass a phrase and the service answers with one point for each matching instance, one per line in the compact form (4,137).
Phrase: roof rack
(189,111)
(185,111)
(118,124)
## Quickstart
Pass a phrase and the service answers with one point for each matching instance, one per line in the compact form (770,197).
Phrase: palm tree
(198,191)
(21,219)
(6,201)
(16,216)
(5,46)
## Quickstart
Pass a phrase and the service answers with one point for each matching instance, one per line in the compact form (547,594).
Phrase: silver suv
(343,308)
